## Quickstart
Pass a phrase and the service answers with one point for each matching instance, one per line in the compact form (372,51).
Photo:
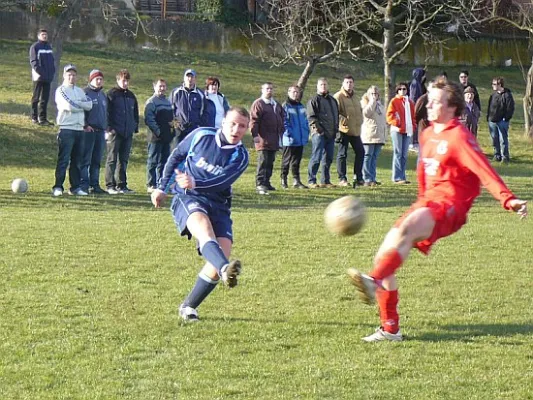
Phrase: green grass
(90,286)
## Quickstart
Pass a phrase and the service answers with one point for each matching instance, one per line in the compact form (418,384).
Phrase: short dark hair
(454,94)
(157,80)
(240,110)
(499,80)
(212,80)
(464,71)
(348,76)
(42,30)
(400,85)
(123,73)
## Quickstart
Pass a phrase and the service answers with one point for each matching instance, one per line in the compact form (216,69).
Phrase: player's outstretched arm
(158,198)
(519,206)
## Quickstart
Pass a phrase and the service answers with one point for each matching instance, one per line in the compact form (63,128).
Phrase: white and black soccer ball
(345,216)
(19,185)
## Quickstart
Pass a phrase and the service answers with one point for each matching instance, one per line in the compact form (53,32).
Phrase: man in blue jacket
(295,137)
(204,166)
(188,105)
(122,123)
(42,71)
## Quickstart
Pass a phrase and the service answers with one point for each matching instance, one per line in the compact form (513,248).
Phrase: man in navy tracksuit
(204,166)
(42,71)
(188,105)
(122,123)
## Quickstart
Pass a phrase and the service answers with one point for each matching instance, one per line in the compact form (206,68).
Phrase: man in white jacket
(71,103)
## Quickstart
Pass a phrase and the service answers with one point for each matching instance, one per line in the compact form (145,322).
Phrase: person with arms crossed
(204,166)
(451,170)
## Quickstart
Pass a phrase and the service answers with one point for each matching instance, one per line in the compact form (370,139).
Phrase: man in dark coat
(42,71)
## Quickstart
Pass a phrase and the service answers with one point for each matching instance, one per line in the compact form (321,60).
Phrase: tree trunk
(307,72)
(528,104)
(57,47)
(388,51)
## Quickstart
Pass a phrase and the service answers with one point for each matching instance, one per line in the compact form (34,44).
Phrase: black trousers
(39,100)
(292,156)
(265,165)
(118,154)
(342,154)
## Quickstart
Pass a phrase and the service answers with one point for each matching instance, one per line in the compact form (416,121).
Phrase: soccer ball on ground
(19,185)
(345,216)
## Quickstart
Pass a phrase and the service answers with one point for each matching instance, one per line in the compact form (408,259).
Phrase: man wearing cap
(71,104)
(122,123)
(42,71)
(94,138)
(187,104)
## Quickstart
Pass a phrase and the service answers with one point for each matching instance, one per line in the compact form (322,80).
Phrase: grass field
(90,286)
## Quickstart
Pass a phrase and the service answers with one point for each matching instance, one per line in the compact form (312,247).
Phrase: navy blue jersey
(213,166)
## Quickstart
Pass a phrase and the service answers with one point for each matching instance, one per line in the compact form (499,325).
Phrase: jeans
(118,154)
(92,157)
(499,132)
(292,156)
(370,161)
(322,152)
(70,152)
(265,165)
(342,154)
(39,100)
(158,153)
(400,146)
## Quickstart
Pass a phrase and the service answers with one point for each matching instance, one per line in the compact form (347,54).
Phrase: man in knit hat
(71,103)
(94,138)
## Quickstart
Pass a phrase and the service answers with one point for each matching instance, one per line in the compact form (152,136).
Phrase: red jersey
(452,168)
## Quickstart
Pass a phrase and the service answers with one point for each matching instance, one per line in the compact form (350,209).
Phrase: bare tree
(308,32)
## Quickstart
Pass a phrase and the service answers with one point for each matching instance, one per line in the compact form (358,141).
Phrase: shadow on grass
(15,108)
(467,333)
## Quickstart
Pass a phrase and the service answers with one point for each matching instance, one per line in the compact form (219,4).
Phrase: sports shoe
(230,272)
(262,189)
(497,158)
(188,314)
(299,185)
(97,190)
(126,190)
(327,185)
(313,185)
(78,192)
(112,191)
(35,121)
(380,335)
(56,192)
(344,183)
(150,189)
(270,187)
(45,122)
(364,284)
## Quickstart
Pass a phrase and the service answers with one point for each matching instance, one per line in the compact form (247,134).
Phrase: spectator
(417,89)
(216,105)
(158,118)
(188,105)
(295,137)
(373,133)
(42,72)
(123,122)
(401,118)
(499,113)
(94,138)
(323,115)
(470,116)
(350,120)
(464,78)
(71,103)
(266,124)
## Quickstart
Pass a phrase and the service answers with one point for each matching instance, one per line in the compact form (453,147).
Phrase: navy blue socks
(213,253)
(203,286)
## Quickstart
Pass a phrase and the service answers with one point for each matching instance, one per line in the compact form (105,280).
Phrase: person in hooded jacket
(417,89)
(499,113)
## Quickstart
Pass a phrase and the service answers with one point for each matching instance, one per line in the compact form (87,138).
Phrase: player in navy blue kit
(204,166)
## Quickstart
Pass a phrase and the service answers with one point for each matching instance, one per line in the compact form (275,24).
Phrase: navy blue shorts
(219,214)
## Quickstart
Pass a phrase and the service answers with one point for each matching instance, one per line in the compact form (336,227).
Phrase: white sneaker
(230,272)
(78,192)
(112,191)
(56,192)
(380,335)
(365,285)
(188,314)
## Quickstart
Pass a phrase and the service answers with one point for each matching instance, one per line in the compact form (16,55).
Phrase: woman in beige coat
(373,133)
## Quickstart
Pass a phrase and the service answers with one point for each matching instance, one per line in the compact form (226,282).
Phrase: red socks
(388,310)
(386,265)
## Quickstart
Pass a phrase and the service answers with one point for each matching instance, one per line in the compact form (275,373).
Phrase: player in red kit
(451,170)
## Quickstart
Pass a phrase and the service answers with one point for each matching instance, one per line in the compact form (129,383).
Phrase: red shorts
(448,219)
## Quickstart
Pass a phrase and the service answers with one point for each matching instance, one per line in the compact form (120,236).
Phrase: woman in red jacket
(402,125)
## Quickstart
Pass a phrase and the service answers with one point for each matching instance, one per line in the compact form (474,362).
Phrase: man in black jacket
(122,122)
(42,71)
(500,112)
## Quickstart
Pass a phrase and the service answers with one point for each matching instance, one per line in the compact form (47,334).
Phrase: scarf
(408,118)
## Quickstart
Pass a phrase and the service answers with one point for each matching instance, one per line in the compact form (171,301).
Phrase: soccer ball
(19,185)
(345,216)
